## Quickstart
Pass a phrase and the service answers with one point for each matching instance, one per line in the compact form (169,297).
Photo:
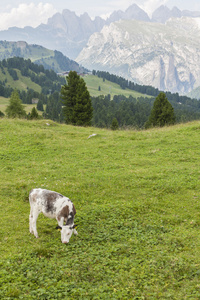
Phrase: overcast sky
(32,13)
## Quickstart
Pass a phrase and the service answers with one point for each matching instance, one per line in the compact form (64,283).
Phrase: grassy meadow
(22,84)
(137,198)
(108,87)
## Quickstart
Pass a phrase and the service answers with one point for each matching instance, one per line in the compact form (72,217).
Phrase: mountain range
(165,56)
(69,33)
(162,51)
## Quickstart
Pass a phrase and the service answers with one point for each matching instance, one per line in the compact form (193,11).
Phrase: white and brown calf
(52,205)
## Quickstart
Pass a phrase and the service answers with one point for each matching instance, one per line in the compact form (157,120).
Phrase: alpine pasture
(137,199)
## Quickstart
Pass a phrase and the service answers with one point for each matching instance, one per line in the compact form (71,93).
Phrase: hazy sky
(32,13)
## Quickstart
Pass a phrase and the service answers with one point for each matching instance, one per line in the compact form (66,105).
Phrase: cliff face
(162,55)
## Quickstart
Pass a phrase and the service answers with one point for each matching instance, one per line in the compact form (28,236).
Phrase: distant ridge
(50,59)
(163,13)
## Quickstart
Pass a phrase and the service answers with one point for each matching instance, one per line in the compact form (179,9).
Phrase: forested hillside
(30,79)
(131,105)
(132,111)
(50,59)
(144,89)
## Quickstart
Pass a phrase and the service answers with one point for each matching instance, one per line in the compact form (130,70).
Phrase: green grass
(108,87)
(138,212)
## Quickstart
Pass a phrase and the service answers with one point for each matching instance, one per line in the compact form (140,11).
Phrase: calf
(52,205)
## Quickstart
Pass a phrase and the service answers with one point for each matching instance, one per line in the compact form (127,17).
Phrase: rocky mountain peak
(176,12)
(161,14)
(134,12)
(57,22)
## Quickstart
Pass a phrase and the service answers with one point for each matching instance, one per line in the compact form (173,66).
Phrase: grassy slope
(21,84)
(107,87)
(137,200)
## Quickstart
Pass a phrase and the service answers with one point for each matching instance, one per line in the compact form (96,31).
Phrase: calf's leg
(35,214)
(31,222)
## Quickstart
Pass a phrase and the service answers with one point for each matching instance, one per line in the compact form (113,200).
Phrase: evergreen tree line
(25,96)
(54,110)
(123,111)
(131,112)
(5,91)
(128,111)
(72,104)
(144,89)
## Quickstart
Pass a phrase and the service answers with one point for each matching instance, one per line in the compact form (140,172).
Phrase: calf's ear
(58,227)
(74,226)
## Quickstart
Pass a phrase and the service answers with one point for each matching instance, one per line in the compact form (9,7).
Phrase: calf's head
(66,233)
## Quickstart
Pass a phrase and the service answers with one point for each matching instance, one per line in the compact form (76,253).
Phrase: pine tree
(40,105)
(114,125)
(76,100)
(34,114)
(162,113)
(15,109)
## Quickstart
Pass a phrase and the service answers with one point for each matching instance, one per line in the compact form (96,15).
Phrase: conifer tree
(34,114)
(114,125)
(76,100)
(162,113)
(15,109)
(40,105)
